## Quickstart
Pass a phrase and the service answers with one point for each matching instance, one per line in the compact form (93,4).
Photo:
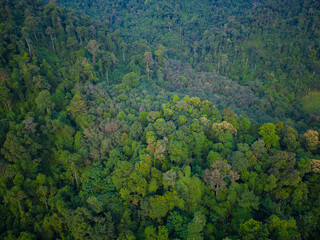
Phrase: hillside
(272,47)
(115,130)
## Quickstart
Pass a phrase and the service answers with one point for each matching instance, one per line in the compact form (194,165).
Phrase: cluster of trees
(271,47)
(106,168)
(100,139)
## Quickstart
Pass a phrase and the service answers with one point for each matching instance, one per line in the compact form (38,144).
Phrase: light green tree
(44,101)
(131,79)
(268,133)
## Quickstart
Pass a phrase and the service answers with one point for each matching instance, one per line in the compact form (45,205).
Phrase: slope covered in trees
(104,135)
(272,47)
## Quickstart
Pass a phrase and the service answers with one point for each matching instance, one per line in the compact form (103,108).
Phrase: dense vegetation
(115,130)
(272,47)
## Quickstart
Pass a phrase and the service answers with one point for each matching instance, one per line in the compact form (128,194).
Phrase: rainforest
(158,119)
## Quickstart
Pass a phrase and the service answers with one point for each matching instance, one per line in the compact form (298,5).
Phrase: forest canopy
(159,119)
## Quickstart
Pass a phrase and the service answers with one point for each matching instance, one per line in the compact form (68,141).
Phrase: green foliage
(178,151)
(239,161)
(311,140)
(131,79)
(161,205)
(282,229)
(83,224)
(85,157)
(77,106)
(268,133)
(252,229)
(190,189)
(311,103)
(44,101)
(175,99)
(196,226)
(182,120)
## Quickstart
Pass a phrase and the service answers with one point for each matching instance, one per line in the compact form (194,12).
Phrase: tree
(77,106)
(32,23)
(315,165)
(136,130)
(107,58)
(169,178)
(44,101)
(258,148)
(95,204)
(131,79)
(5,95)
(123,48)
(21,152)
(268,133)
(231,117)
(30,125)
(178,151)
(239,161)
(50,32)
(252,229)
(151,233)
(115,61)
(93,48)
(84,225)
(283,169)
(163,233)
(175,99)
(247,199)
(14,200)
(26,236)
(92,30)
(289,139)
(311,103)
(282,229)
(168,111)
(159,53)
(25,33)
(79,32)
(177,223)
(161,205)
(311,138)
(42,188)
(216,174)
(148,60)
(196,226)
(221,131)
(190,189)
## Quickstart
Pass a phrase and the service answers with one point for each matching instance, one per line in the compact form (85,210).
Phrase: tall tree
(93,48)
(216,174)
(108,63)
(79,32)
(44,101)
(50,32)
(123,48)
(148,60)
(25,33)
(268,133)
(32,23)
(77,106)
(311,138)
